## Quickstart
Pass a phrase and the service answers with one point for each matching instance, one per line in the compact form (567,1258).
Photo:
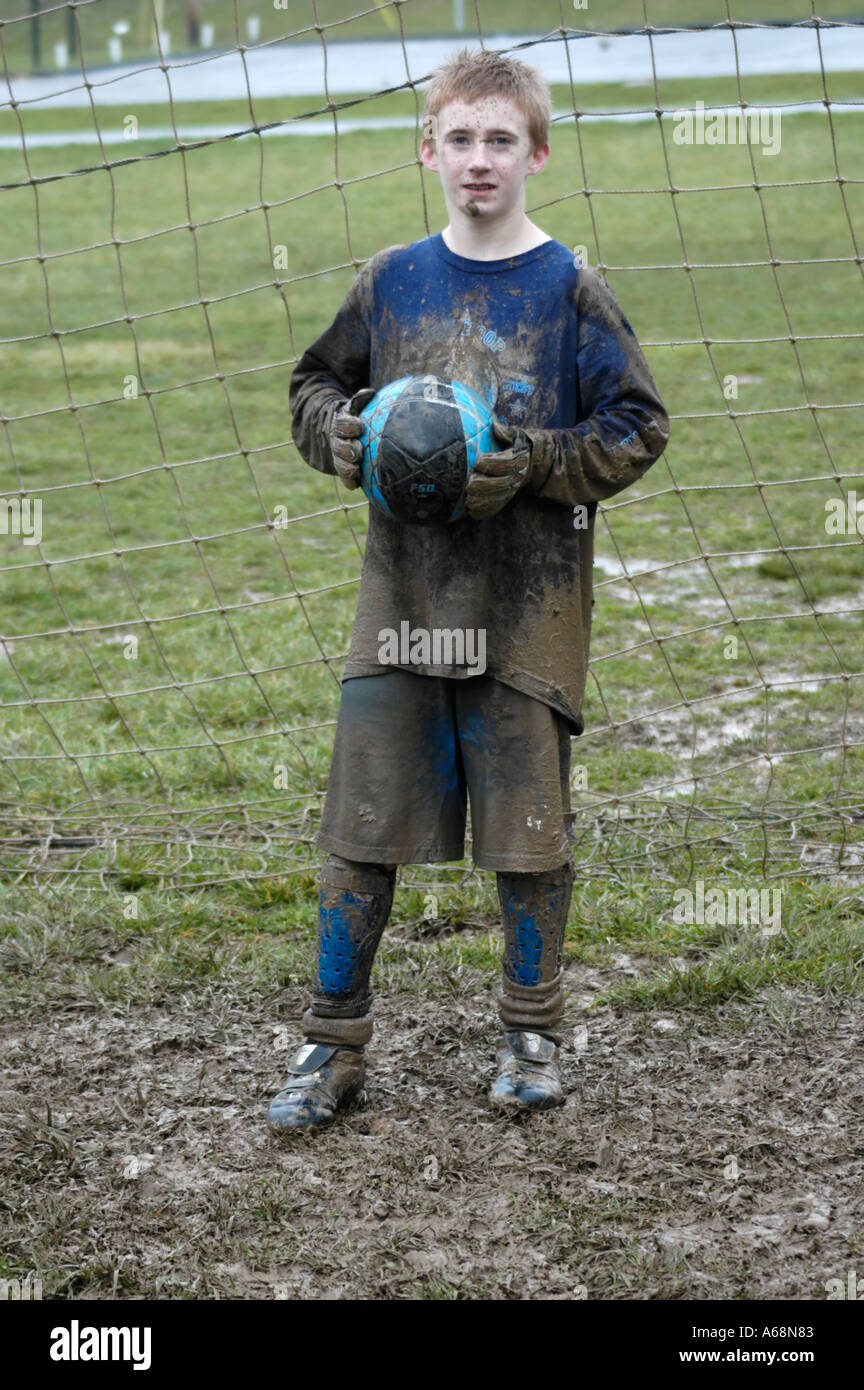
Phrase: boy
(494,302)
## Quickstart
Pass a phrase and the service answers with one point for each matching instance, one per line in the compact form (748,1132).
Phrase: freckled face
(483,153)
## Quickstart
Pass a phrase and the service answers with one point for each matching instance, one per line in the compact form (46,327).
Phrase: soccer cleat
(325,1080)
(528,1076)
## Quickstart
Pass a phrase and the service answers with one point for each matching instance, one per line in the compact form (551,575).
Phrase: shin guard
(354,903)
(534,908)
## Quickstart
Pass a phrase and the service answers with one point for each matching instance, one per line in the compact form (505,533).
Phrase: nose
(479,157)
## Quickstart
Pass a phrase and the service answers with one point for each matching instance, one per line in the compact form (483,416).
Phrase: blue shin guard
(353,906)
(534,908)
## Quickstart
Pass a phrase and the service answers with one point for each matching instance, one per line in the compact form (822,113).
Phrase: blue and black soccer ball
(422,438)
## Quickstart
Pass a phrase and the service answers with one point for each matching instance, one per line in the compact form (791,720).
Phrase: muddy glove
(344,435)
(496,478)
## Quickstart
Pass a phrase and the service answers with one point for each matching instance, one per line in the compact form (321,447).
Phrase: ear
(428,155)
(538,159)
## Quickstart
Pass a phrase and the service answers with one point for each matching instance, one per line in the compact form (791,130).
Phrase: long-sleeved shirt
(547,345)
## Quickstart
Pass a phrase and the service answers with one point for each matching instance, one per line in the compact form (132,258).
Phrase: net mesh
(177,588)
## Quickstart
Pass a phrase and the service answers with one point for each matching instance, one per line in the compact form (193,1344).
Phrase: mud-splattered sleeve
(331,370)
(624,426)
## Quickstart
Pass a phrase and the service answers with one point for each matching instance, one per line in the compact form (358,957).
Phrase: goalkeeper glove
(344,436)
(496,478)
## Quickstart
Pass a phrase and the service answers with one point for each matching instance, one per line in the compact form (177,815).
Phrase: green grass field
(674,717)
(299,21)
(211,459)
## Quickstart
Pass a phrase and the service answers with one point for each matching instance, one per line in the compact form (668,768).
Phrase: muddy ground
(700,1155)
(710,1153)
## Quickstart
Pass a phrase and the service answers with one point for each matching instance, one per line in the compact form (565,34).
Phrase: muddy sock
(534,908)
(354,903)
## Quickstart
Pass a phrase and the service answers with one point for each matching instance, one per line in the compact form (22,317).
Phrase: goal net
(188,190)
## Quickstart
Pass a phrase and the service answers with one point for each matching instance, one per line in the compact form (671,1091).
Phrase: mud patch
(717,1158)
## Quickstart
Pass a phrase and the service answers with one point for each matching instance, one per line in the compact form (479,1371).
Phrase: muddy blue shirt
(546,343)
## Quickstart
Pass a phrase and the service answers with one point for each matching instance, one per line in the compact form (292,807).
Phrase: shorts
(409,752)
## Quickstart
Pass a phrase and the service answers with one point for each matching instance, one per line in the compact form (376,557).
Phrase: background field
(298,21)
(144,1029)
(695,555)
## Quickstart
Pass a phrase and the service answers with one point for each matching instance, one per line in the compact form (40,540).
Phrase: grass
(119,951)
(725,666)
(589,97)
(337,20)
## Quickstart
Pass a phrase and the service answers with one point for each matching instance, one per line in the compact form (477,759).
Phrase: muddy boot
(324,1081)
(328,1071)
(534,909)
(528,1076)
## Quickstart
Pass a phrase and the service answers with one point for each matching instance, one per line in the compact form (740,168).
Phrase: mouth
(479,187)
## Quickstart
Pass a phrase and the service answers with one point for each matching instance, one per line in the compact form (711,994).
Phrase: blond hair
(471,77)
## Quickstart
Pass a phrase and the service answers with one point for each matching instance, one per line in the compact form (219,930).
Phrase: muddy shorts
(409,752)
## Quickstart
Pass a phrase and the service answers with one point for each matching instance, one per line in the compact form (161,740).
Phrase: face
(483,153)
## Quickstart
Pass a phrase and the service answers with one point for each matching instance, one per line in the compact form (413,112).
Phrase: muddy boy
(496,303)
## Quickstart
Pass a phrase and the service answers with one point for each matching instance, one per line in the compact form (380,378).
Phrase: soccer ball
(422,438)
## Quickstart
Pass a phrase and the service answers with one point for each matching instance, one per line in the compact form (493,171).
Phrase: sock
(354,902)
(534,908)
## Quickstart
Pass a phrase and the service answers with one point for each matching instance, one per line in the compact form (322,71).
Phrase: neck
(478,239)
